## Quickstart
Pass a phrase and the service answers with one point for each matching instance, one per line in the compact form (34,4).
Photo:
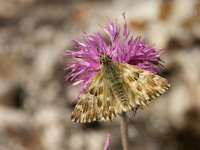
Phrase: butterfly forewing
(144,85)
(97,103)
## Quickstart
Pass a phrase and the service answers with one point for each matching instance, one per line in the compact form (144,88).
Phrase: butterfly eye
(104,59)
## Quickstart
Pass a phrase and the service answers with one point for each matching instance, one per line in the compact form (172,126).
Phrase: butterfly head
(104,59)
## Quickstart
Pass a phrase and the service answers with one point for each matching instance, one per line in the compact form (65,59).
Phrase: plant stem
(124,131)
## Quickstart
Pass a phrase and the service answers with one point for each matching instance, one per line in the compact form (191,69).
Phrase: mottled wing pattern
(142,86)
(97,103)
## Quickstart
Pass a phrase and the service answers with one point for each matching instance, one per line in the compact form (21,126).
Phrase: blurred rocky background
(35,103)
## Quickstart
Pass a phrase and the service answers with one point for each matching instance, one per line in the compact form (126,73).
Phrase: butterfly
(117,88)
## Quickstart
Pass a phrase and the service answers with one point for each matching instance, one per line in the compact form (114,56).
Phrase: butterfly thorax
(113,77)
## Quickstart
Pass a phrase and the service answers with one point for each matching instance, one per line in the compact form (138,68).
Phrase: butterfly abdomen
(119,90)
(121,94)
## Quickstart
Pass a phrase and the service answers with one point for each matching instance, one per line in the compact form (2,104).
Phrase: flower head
(121,46)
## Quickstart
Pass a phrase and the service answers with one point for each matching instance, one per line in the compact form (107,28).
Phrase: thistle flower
(121,47)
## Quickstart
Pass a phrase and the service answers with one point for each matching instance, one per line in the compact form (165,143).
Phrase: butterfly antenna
(139,130)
